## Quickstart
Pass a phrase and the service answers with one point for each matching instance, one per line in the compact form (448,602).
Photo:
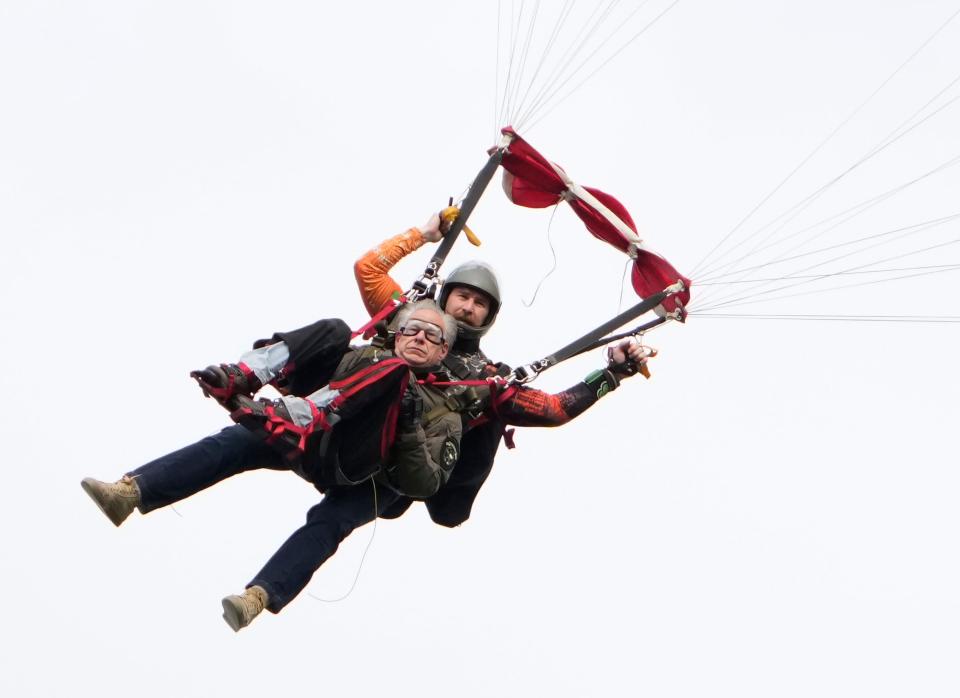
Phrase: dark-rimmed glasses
(432,333)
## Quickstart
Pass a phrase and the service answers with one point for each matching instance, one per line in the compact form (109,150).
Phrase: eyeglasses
(432,333)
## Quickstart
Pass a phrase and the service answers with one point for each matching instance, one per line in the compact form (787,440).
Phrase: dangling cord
(356,578)
(553,251)
(623,285)
(373,533)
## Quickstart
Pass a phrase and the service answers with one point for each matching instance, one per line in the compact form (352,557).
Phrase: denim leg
(182,473)
(342,510)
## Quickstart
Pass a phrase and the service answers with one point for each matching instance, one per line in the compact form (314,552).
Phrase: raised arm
(372,270)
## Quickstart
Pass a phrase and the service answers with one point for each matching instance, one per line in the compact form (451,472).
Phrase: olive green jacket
(422,457)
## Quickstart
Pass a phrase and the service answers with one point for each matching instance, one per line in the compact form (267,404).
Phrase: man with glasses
(329,428)
(471,294)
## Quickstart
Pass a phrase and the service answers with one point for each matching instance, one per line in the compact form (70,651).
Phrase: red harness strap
(432,380)
(352,384)
(356,382)
(276,426)
(389,432)
(499,395)
(363,372)
(388,307)
(498,399)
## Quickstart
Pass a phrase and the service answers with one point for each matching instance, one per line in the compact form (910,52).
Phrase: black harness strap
(640,329)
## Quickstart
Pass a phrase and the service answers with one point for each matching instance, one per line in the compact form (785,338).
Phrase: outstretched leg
(178,475)
(342,510)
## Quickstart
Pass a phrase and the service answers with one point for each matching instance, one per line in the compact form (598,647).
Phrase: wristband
(601,382)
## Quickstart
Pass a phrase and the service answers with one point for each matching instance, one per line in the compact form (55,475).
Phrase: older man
(471,294)
(370,389)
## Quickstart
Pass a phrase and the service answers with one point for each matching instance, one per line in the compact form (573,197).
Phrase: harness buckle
(525,374)
(466,401)
(424,287)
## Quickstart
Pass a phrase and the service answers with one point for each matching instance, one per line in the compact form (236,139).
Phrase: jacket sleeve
(534,408)
(421,460)
(372,269)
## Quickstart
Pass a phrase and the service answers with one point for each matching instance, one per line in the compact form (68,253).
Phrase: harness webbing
(623,335)
(451,403)
(381,314)
(498,399)
(500,392)
(349,385)
(276,426)
(390,424)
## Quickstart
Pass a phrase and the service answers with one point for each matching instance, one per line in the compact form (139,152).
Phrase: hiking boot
(240,610)
(226,381)
(116,499)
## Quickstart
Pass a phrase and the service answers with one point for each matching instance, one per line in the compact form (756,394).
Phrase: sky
(773,513)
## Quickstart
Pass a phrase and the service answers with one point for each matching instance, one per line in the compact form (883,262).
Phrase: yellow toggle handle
(644,369)
(449,215)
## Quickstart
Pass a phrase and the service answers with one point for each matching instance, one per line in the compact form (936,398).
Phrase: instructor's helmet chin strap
(479,277)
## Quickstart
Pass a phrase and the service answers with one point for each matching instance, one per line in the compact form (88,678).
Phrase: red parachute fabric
(533,181)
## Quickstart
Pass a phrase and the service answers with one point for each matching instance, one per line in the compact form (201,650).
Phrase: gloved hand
(628,358)
(411,409)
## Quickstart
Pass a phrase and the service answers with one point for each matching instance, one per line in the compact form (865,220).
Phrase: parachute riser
(426,285)
(597,337)
(637,332)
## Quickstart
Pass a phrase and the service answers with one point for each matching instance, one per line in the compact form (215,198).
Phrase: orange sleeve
(372,270)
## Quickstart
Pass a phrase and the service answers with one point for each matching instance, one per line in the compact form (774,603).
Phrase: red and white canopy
(530,180)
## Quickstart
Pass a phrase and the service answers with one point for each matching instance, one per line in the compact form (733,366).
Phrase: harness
(325,418)
(476,400)
(464,395)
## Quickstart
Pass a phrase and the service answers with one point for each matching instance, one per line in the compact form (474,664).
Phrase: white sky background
(773,514)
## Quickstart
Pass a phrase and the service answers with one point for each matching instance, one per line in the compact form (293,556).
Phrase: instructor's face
(468,306)
(421,341)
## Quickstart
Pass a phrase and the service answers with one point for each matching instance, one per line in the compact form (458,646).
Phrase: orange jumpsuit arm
(372,270)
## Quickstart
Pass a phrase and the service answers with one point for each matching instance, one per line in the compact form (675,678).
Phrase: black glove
(411,409)
(624,370)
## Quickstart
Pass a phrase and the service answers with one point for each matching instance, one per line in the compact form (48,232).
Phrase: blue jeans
(236,450)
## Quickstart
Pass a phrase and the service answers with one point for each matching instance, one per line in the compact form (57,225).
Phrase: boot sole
(91,489)
(231,615)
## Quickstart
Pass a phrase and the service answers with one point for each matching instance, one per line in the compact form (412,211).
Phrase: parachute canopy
(530,180)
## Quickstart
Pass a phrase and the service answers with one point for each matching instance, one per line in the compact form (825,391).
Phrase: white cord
(373,533)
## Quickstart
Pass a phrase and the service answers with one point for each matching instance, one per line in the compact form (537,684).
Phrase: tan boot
(239,611)
(116,499)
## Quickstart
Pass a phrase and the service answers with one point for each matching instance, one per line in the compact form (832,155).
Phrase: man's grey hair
(449,322)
